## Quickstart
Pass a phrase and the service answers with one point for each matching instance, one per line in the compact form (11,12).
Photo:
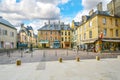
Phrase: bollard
(18,62)
(60,60)
(97,58)
(77,59)
(118,56)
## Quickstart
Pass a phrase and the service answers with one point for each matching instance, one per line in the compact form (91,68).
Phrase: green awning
(44,41)
(56,41)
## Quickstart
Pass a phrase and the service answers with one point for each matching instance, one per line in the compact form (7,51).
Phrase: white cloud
(27,9)
(89,5)
(37,24)
(36,11)
(64,1)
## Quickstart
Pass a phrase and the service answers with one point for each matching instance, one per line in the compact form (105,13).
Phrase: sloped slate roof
(66,27)
(5,22)
(55,27)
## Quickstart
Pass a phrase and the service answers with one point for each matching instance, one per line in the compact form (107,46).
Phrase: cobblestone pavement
(51,55)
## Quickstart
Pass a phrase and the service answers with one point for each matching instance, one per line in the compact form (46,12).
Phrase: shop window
(12,45)
(2,44)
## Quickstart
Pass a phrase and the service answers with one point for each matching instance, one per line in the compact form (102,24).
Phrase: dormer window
(104,21)
(90,23)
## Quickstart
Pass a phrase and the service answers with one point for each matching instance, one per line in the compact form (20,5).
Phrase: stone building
(26,37)
(8,35)
(50,35)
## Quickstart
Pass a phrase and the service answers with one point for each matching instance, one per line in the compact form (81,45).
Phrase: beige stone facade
(26,37)
(8,35)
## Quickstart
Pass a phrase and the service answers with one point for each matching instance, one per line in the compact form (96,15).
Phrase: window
(80,37)
(90,34)
(111,21)
(68,33)
(12,34)
(65,33)
(111,32)
(51,38)
(117,32)
(80,29)
(56,33)
(55,38)
(84,35)
(104,21)
(62,33)
(90,23)
(2,44)
(69,39)
(62,39)
(116,22)
(84,27)
(51,32)
(41,32)
(12,45)
(4,32)
(65,38)
(105,32)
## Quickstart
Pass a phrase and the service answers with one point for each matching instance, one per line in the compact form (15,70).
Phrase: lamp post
(100,38)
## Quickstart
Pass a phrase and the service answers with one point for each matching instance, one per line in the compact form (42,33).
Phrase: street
(51,55)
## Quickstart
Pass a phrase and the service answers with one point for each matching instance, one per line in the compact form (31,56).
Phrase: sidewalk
(105,69)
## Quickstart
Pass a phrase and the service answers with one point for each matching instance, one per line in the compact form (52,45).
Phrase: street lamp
(100,38)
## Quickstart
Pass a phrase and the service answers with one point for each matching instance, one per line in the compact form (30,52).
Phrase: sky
(36,12)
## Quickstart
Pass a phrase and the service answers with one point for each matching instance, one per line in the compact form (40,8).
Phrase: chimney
(22,25)
(59,22)
(99,7)
(45,23)
(48,22)
(84,18)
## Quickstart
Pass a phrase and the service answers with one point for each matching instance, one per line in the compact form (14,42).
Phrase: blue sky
(36,12)
(71,8)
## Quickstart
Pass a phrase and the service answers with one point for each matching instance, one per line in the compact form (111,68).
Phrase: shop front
(56,44)
(111,45)
(107,45)
(44,43)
